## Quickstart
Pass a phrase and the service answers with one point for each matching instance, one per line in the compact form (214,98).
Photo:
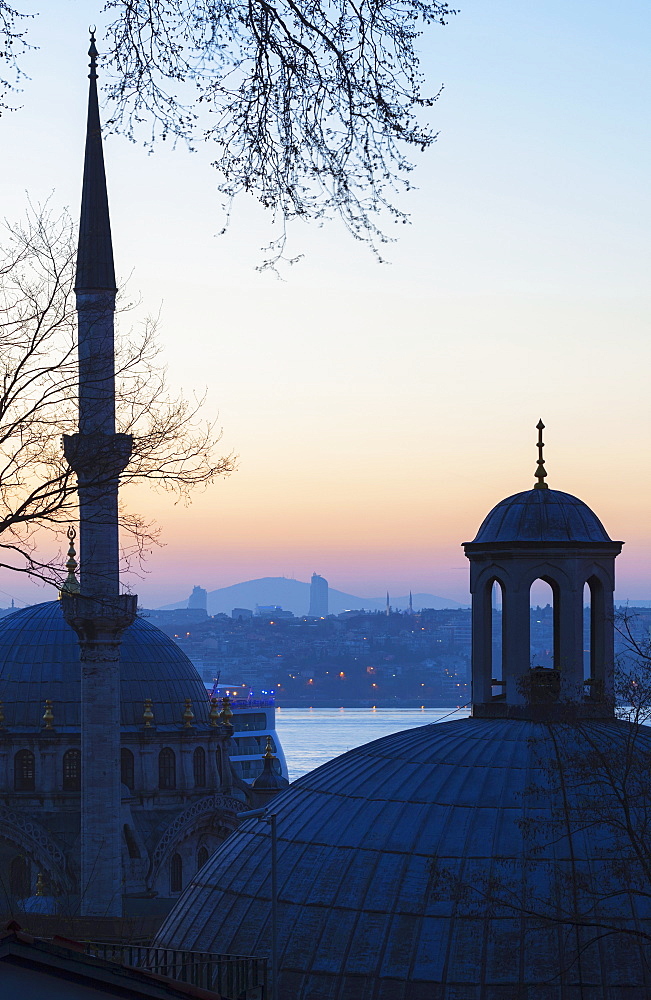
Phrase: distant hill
(294,595)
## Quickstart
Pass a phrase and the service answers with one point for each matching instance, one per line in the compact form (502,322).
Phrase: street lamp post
(270,818)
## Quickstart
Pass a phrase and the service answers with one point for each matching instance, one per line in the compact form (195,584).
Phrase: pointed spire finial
(226,714)
(269,753)
(188,714)
(148,715)
(48,714)
(541,475)
(71,583)
(93,53)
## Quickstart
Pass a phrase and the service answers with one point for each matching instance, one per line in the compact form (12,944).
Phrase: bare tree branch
(13,44)
(312,106)
(174,449)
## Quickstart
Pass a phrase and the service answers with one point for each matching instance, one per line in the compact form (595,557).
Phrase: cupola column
(482,643)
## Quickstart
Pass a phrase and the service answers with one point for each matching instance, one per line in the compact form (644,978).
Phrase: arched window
(176,873)
(544,624)
(72,770)
(166,768)
(19,880)
(126,768)
(202,857)
(24,771)
(498,681)
(199,767)
(595,643)
(588,636)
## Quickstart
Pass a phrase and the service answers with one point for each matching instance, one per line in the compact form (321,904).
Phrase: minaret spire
(95,269)
(98,613)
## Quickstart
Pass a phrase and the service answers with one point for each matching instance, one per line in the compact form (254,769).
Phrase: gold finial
(71,583)
(148,715)
(541,475)
(214,713)
(41,884)
(269,753)
(48,714)
(226,715)
(188,715)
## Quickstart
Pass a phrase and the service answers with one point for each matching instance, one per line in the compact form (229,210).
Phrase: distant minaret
(98,614)
(411,604)
(387,609)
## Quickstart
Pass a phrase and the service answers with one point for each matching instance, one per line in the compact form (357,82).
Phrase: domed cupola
(542,534)
(39,660)
(541,515)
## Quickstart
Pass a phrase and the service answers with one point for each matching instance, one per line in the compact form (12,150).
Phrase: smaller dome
(542,516)
(269,779)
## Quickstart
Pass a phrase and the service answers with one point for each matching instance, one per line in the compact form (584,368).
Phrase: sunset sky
(380,411)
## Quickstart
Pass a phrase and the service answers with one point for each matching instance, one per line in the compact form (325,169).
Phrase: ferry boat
(254,718)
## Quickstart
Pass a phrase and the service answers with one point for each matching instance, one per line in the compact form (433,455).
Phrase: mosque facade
(485,858)
(178,797)
(115,778)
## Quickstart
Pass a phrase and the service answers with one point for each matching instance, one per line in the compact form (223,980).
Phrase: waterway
(312,736)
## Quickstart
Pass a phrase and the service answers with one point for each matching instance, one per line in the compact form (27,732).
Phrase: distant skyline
(379,412)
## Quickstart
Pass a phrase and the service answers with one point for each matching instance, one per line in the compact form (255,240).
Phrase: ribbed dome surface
(388,859)
(542,516)
(39,659)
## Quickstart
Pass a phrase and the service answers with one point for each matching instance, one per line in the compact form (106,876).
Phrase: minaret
(98,614)
(387,609)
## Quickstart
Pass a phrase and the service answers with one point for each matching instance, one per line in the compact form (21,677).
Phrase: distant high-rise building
(318,597)
(198,599)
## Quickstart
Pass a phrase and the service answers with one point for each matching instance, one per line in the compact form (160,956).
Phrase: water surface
(312,736)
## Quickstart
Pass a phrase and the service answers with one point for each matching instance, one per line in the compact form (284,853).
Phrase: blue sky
(380,411)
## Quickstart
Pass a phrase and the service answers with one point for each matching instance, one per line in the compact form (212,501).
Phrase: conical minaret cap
(95,269)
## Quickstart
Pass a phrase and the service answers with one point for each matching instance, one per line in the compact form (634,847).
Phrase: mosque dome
(401,864)
(39,660)
(541,515)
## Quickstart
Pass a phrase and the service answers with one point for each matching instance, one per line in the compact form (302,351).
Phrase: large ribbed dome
(391,858)
(541,516)
(39,659)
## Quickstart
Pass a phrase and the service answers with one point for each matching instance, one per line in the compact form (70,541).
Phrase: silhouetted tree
(173,448)
(312,106)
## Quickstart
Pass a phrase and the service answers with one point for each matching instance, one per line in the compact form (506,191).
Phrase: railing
(252,702)
(232,977)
